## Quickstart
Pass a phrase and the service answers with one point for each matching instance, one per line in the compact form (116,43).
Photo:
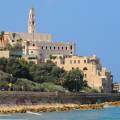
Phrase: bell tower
(31,21)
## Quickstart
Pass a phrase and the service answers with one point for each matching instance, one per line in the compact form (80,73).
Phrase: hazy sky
(94,25)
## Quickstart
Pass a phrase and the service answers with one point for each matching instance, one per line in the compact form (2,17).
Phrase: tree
(9,47)
(16,69)
(5,79)
(74,80)
(41,72)
(26,85)
(3,63)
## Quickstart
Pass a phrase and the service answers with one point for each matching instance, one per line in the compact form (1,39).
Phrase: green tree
(5,79)
(16,69)
(3,63)
(74,80)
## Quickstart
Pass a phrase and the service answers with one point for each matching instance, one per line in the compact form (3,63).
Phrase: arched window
(66,47)
(85,68)
(78,61)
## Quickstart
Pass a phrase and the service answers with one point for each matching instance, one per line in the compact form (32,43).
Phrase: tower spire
(31,21)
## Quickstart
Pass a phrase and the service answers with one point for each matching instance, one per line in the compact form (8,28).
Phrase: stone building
(43,50)
(116,87)
(96,76)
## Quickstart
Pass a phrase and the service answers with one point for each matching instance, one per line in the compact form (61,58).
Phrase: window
(99,74)
(13,41)
(62,48)
(70,61)
(75,61)
(66,48)
(72,68)
(42,47)
(50,47)
(78,61)
(33,44)
(85,75)
(31,51)
(85,61)
(71,52)
(58,48)
(54,47)
(46,47)
(71,47)
(85,68)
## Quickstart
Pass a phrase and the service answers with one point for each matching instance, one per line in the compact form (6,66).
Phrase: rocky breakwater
(117,103)
(46,108)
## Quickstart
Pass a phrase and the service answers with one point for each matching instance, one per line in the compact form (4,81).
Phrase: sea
(103,114)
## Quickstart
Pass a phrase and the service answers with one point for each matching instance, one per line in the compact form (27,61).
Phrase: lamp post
(75,85)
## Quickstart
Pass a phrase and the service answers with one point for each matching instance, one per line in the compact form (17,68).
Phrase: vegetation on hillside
(17,74)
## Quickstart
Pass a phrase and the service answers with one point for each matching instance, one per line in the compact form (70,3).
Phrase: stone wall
(43,98)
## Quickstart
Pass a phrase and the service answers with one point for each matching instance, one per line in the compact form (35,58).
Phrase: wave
(29,112)
(4,115)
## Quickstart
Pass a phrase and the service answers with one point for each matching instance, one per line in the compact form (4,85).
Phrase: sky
(93,25)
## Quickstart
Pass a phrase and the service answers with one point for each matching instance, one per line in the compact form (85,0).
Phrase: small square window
(85,61)
(70,61)
(75,61)
(85,75)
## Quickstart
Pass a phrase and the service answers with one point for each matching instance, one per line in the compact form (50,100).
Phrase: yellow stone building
(96,76)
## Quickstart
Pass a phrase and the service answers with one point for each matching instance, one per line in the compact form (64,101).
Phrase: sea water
(104,114)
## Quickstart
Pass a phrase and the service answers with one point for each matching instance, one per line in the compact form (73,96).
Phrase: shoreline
(6,109)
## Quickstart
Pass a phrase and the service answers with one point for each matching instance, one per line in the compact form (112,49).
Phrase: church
(39,47)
